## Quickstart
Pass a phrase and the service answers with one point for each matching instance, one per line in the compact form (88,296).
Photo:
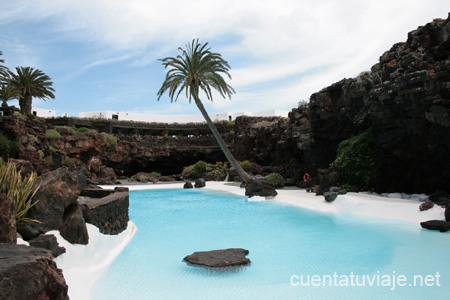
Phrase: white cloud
(273,43)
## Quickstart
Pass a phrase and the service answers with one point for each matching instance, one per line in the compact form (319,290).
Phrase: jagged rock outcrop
(49,242)
(58,190)
(30,273)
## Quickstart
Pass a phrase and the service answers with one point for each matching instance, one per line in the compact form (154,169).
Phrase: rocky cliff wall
(405,98)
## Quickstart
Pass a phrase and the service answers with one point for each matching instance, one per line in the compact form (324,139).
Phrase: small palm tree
(198,69)
(8,92)
(31,83)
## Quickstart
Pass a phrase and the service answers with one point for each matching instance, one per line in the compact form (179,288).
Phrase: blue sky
(103,54)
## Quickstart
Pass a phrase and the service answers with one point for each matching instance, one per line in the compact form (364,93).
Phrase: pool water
(283,240)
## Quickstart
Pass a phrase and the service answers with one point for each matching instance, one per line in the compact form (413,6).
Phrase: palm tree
(3,70)
(8,92)
(200,69)
(31,83)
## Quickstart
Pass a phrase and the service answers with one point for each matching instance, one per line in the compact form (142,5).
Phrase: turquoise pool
(296,253)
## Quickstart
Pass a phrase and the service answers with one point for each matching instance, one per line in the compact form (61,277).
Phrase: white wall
(128,116)
(43,113)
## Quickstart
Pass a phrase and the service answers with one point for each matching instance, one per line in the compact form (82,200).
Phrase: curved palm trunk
(221,142)
(25,104)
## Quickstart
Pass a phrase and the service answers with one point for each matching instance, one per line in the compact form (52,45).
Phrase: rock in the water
(442,226)
(49,242)
(260,188)
(219,258)
(188,185)
(74,228)
(426,205)
(7,220)
(28,229)
(30,273)
(200,182)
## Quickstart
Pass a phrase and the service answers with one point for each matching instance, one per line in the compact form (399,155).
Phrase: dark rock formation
(27,229)
(260,188)
(49,242)
(106,209)
(30,273)
(200,182)
(7,220)
(57,190)
(426,206)
(188,185)
(219,258)
(74,228)
(447,213)
(330,196)
(442,226)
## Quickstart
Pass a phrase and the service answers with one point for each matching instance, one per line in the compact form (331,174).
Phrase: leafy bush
(111,141)
(21,190)
(8,147)
(81,129)
(245,164)
(199,169)
(354,159)
(19,116)
(275,179)
(217,170)
(53,136)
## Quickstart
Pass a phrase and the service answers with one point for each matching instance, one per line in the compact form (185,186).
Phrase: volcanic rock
(49,242)
(188,185)
(200,182)
(442,226)
(7,220)
(30,273)
(219,258)
(260,188)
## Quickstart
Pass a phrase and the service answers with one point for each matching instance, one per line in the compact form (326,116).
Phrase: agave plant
(21,190)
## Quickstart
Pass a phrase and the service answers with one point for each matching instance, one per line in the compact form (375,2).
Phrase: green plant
(8,147)
(217,170)
(19,116)
(275,179)
(199,169)
(111,141)
(65,129)
(53,136)
(81,129)
(354,159)
(156,174)
(41,154)
(32,139)
(20,190)
(245,164)
(49,160)
(71,161)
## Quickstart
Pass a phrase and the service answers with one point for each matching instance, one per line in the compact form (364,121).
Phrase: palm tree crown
(198,69)
(31,83)
(3,69)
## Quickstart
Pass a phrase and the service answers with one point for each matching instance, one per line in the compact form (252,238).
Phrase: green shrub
(217,170)
(156,174)
(354,159)
(20,190)
(81,129)
(19,116)
(245,164)
(275,179)
(199,169)
(65,130)
(49,160)
(70,161)
(53,136)
(111,141)
(8,147)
